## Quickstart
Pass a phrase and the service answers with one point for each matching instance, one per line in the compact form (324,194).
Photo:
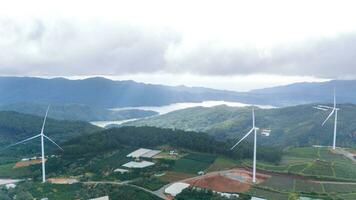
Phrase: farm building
(307,198)
(256,198)
(143,153)
(227,195)
(140,164)
(122,171)
(266,132)
(10,186)
(176,188)
(101,198)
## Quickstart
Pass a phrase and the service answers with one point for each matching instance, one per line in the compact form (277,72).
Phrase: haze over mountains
(106,93)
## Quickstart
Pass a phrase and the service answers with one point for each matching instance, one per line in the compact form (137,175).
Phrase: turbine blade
(23,141)
(44,120)
(53,142)
(253,117)
(334,99)
(320,108)
(332,112)
(326,107)
(247,134)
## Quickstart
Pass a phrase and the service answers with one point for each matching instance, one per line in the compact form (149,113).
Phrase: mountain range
(76,112)
(105,93)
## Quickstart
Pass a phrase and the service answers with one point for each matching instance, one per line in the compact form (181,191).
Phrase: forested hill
(76,112)
(15,127)
(296,125)
(150,137)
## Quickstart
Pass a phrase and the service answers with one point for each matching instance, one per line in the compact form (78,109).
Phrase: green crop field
(190,166)
(193,163)
(222,163)
(207,158)
(309,161)
(7,171)
(281,183)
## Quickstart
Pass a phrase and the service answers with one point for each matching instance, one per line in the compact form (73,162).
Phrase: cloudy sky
(236,45)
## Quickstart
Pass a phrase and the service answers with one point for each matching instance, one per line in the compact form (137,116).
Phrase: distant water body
(173,107)
(177,106)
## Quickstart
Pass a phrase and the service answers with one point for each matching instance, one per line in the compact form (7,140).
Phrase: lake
(173,107)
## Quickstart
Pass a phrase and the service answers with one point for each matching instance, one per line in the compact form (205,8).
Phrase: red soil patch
(220,183)
(62,180)
(230,181)
(27,163)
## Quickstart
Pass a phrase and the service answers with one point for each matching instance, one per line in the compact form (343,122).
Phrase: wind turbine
(42,135)
(253,129)
(334,110)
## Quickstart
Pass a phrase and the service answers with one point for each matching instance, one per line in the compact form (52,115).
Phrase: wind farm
(250,167)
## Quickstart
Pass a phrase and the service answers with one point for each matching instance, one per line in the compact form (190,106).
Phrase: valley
(316,172)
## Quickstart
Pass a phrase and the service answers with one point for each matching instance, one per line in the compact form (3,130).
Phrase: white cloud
(291,38)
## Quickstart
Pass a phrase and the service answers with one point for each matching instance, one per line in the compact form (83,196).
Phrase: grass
(339,188)
(222,163)
(175,176)
(193,163)
(280,183)
(7,171)
(201,157)
(190,166)
(308,161)
(306,186)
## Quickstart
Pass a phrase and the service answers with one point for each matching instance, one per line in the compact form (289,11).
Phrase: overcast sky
(234,44)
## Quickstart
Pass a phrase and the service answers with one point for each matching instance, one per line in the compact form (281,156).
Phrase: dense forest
(150,137)
(296,125)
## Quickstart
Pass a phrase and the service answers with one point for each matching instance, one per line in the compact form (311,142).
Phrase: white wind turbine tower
(42,135)
(334,110)
(254,129)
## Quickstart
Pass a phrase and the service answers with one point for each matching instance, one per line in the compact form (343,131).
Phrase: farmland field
(309,161)
(193,163)
(190,166)
(222,163)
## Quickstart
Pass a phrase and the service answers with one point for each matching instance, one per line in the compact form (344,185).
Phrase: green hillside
(15,127)
(76,112)
(297,125)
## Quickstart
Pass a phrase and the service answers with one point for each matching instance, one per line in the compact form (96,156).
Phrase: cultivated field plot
(339,188)
(308,186)
(222,163)
(8,171)
(280,183)
(27,163)
(193,163)
(321,162)
(175,176)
